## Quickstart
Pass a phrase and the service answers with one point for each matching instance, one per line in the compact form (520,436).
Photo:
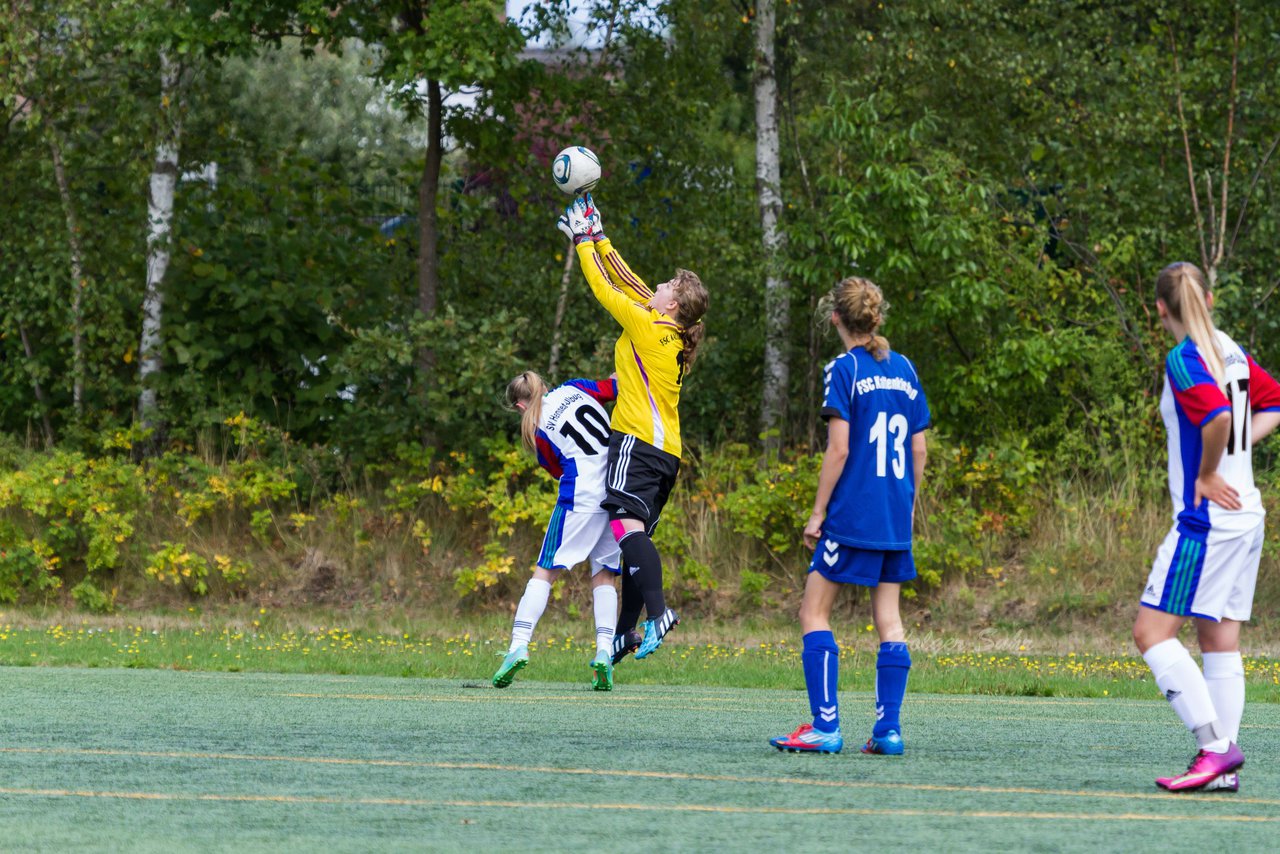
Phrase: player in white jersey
(1216,404)
(568,428)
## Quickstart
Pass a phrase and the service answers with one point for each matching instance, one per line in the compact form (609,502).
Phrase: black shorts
(640,479)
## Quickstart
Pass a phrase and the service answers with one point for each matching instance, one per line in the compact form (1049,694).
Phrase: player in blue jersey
(861,524)
(1216,404)
(568,428)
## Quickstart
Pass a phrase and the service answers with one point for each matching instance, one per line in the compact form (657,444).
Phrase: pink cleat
(1204,769)
(806,739)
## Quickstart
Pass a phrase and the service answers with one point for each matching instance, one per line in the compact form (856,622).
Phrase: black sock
(638,551)
(632,602)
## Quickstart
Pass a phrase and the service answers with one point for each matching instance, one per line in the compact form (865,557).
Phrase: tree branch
(1221,238)
(35,384)
(1186,148)
(1271,290)
(1257,174)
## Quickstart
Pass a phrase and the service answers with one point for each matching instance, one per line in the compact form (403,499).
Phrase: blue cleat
(889,744)
(806,739)
(655,631)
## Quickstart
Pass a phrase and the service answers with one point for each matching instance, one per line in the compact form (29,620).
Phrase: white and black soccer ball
(576,170)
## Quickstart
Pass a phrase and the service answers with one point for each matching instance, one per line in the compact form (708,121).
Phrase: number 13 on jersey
(888,431)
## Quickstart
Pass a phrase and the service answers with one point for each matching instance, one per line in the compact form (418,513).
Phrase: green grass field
(160,760)
(769,659)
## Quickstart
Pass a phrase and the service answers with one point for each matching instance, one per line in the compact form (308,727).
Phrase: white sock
(532,604)
(605,604)
(1183,686)
(1224,676)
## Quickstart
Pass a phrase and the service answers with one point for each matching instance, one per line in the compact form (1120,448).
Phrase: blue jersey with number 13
(884,405)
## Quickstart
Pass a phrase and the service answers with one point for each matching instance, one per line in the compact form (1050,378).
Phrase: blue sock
(821,660)
(892,666)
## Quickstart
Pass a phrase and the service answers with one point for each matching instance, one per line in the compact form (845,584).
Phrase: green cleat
(512,664)
(602,664)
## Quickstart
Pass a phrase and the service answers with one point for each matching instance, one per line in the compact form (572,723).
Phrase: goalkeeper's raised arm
(619,273)
(581,223)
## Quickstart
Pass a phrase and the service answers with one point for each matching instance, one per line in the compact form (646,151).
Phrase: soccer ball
(576,170)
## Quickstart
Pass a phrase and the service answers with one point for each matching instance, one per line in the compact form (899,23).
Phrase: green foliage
(497,565)
(466,526)
(515,493)
(1016,244)
(975,503)
(87,595)
(174,565)
(24,567)
(71,509)
(764,501)
(98,520)
(475,358)
(751,587)
(973,296)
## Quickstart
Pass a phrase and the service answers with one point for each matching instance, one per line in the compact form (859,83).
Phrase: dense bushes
(1004,534)
(262,515)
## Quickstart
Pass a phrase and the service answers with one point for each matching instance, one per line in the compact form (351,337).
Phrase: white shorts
(573,536)
(1215,580)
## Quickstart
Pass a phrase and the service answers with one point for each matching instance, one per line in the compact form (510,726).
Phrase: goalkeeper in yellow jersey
(661,330)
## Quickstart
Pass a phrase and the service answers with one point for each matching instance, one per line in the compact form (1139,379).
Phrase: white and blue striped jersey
(573,441)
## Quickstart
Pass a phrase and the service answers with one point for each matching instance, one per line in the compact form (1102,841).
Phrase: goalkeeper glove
(574,222)
(593,218)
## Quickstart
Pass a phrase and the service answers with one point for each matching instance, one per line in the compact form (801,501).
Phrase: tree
(64,76)
(161,187)
(777,297)
(428,46)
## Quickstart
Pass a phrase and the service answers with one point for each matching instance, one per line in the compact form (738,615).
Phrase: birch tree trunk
(164,180)
(78,281)
(777,318)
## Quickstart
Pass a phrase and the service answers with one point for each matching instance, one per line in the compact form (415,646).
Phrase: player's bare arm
(1262,423)
(919,451)
(832,465)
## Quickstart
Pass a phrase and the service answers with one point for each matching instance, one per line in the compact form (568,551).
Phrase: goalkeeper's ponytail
(528,388)
(692,297)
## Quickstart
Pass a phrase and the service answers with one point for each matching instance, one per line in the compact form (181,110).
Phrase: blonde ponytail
(528,388)
(861,307)
(1182,289)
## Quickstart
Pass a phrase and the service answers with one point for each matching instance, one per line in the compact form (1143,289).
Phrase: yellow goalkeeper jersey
(649,355)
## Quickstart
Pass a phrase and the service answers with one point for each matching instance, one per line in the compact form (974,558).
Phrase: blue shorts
(866,567)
